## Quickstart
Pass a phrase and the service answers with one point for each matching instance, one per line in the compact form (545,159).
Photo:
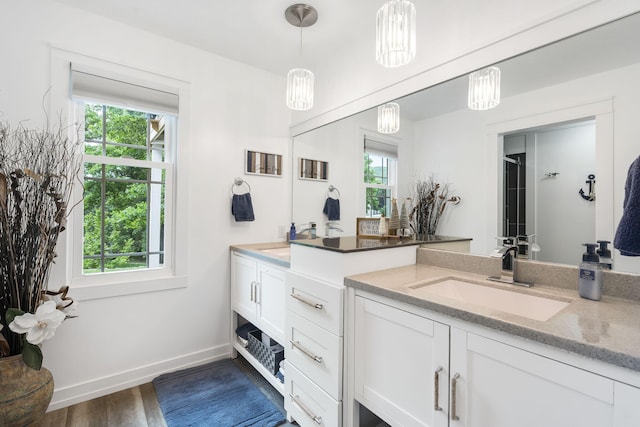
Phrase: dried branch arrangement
(38,169)
(430,202)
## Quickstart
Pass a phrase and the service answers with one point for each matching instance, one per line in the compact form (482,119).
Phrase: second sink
(520,304)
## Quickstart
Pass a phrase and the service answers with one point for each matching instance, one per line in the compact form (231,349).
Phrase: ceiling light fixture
(300,80)
(484,89)
(396,33)
(389,118)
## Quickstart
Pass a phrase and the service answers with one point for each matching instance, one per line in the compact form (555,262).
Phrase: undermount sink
(521,304)
(284,251)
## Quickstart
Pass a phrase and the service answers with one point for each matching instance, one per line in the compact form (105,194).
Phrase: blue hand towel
(332,209)
(242,208)
(627,239)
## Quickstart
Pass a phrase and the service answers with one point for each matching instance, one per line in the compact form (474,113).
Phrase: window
(380,169)
(125,173)
(125,231)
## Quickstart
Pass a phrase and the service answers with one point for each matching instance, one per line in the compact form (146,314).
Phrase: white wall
(120,341)
(462,155)
(453,38)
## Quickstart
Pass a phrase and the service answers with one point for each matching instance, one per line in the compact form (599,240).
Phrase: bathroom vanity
(424,349)
(294,293)
(258,274)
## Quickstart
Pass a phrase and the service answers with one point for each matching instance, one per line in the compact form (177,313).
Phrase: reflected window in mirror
(379,177)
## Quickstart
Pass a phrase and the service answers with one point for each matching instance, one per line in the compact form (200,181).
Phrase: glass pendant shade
(396,33)
(389,118)
(300,89)
(484,89)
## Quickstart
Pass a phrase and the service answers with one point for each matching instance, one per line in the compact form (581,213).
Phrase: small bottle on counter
(590,274)
(292,232)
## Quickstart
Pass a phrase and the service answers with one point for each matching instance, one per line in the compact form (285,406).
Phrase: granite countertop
(605,330)
(273,252)
(356,244)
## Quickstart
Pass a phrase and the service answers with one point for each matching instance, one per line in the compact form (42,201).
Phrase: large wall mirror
(568,111)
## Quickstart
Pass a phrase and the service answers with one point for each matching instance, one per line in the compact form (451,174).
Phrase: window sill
(128,287)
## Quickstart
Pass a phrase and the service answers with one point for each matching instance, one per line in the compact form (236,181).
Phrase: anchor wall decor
(591,196)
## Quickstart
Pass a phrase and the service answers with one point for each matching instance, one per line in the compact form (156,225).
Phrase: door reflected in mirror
(544,170)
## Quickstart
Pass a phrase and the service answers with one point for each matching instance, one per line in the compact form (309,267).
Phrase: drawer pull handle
(436,389)
(454,383)
(315,418)
(306,301)
(306,352)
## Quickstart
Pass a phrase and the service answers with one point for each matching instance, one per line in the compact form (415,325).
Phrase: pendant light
(396,33)
(484,89)
(300,80)
(389,118)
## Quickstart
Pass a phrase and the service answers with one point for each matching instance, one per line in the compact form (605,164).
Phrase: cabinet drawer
(317,301)
(306,403)
(315,352)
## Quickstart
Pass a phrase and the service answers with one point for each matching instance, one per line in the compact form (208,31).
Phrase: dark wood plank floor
(135,407)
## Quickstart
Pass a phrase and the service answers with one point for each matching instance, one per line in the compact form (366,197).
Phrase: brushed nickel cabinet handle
(256,293)
(454,383)
(306,301)
(436,389)
(306,352)
(253,291)
(314,417)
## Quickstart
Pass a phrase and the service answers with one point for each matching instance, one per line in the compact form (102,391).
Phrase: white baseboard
(102,386)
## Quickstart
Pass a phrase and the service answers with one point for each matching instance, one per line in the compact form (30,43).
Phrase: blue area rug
(217,394)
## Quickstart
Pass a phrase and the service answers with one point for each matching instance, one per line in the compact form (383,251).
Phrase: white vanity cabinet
(258,294)
(315,331)
(413,371)
(314,351)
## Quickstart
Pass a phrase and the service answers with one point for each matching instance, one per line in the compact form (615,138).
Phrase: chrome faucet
(509,267)
(311,231)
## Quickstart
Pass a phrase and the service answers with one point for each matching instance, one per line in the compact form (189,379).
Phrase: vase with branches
(38,170)
(429,203)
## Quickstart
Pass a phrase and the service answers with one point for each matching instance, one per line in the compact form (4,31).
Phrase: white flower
(39,326)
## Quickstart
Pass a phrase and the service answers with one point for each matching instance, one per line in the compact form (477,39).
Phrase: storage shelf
(271,379)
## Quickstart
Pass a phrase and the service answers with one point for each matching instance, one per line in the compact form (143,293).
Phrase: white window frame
(173,274)
(390,151)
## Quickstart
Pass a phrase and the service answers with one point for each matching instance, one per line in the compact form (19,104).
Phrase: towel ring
(331,190)
(238,183)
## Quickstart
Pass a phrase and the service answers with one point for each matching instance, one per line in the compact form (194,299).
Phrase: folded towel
(242,208)
(332,209)
(627,239)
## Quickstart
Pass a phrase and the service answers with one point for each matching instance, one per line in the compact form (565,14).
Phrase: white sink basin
(530,306)
(282,252)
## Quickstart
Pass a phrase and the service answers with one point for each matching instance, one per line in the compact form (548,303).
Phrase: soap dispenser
(605,254)
(292,232)
(590,274)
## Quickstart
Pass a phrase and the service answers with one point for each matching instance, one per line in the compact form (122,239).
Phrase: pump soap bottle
(590,278)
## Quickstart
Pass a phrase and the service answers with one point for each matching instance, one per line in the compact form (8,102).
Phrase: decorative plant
(429,204)
(38,169)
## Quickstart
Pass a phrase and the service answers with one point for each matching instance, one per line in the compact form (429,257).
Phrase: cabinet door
(243,286)
(271,299)
(627,412)
(500,385)
(399,359)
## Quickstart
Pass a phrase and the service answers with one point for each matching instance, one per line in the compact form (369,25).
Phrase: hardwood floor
(133,407)
(136,407)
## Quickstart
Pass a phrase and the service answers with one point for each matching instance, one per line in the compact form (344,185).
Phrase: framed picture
(316,170)
(257,163)
(368,227)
